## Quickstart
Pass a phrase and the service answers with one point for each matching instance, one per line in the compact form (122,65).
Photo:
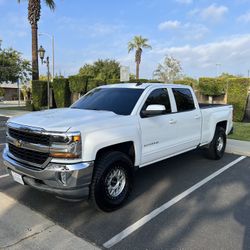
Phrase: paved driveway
(214,216)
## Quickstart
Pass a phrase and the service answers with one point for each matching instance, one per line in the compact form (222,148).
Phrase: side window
(158,96)
(184,99)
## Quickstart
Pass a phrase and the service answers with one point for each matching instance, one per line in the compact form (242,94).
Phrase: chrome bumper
(70,181)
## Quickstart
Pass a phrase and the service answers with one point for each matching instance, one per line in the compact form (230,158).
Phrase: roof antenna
(138,83)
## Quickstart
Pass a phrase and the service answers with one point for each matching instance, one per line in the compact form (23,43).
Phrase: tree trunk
(137,70)
(35,71)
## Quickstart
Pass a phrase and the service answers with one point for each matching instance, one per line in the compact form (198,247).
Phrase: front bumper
(70,181)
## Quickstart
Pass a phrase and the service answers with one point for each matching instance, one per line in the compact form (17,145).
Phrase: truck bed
(208,105)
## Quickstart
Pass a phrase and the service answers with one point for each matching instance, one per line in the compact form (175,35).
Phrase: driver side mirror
(153,110)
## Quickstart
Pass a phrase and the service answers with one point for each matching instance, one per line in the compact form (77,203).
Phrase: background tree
(138,43)
(34,12)
(168,71)
(227,75)
(101,69)
(13,66)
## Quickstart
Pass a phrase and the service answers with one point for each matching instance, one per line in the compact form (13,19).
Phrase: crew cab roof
(142,85)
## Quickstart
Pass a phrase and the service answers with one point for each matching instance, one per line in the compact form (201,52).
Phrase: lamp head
(41,52)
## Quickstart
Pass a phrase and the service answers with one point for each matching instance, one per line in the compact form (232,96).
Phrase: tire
(111,182)
(217,146)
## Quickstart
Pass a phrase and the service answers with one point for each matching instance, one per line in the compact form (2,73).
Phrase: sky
(207,37)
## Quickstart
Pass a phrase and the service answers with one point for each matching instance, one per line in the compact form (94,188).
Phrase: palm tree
(34,11)
(138,43)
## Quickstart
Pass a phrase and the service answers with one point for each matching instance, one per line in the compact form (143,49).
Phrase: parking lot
(167,209)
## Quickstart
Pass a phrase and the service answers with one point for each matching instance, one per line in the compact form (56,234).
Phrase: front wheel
(112,181)
(217,146)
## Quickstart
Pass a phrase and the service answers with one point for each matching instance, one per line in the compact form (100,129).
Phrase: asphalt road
(215,216)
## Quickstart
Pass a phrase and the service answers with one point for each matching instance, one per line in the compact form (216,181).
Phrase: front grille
(29,136)
(28,155)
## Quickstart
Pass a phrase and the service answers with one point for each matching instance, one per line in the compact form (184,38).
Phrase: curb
(238,147)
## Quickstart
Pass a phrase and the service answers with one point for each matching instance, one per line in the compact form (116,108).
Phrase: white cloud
(184,1)
(91,30)
(244,18)
(213,12)
(170,24)
(233,53)
(187,31)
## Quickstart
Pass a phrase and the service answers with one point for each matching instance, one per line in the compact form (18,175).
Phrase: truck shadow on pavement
(182,226)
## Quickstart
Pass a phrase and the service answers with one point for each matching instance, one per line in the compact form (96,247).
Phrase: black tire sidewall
(220,133)
(103,167)
(213,153)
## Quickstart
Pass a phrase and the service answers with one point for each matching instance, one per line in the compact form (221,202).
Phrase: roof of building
(10,85)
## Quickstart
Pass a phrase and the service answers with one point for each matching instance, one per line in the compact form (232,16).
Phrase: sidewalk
(238,147)
(23,228)
(10,113)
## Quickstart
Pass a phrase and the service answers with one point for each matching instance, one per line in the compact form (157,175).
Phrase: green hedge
(212,86)
(39,94)
(112,81)
(237,96)
(61,92)
(78,84)
(189,82)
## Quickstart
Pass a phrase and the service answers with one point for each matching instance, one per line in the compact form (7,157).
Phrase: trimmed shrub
(190,82)
(237,96)
(61,92)
(93,83)
(212,86)
(112,81)
(2,92)
(78,84)
(154,81)
(39,94)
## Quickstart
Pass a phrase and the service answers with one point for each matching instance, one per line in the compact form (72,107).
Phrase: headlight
(66,146)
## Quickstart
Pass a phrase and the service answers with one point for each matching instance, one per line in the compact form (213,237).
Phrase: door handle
(197,117)
(172,121)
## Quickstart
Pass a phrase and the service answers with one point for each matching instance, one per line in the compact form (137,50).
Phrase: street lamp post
(41,52)
(1,44)
(53,51)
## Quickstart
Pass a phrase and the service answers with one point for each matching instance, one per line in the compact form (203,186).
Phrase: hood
(63,119)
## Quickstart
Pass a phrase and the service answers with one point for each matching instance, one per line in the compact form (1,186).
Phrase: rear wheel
(112,181)
(217,146)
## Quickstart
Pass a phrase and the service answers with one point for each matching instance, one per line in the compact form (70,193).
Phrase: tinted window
(184,99)
(158,96)
(118,100)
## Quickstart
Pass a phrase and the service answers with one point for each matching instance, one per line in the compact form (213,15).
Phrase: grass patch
(241,131)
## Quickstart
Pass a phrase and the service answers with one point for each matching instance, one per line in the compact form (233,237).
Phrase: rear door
(187,119)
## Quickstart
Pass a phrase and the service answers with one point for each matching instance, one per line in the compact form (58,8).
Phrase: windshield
(118,100)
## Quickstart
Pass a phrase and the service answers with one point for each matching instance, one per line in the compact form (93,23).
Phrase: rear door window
(184,99)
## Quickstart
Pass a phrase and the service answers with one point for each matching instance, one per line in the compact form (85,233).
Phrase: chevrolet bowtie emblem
(18,143)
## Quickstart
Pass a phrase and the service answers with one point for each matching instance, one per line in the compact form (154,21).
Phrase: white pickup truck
(92,149)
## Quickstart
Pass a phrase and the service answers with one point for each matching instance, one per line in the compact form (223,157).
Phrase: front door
(158,132)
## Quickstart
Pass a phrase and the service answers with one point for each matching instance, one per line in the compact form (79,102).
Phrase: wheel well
(124,147)
(222,124)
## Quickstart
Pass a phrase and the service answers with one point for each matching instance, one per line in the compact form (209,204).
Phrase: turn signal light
(64,155)
(76,138)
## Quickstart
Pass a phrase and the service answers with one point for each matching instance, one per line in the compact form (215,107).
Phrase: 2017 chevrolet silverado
(91,149)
